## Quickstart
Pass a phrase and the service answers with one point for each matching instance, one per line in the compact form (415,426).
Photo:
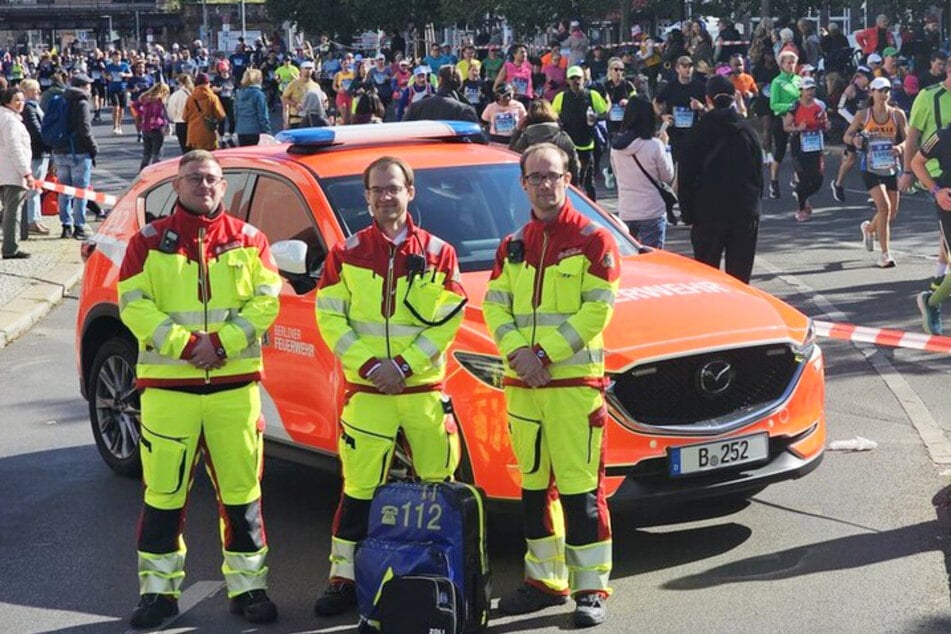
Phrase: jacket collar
(411,231)
(193,222)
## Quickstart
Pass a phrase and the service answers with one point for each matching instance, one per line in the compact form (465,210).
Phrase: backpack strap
(937,107)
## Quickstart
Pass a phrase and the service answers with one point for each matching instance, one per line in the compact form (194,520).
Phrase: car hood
(668,305)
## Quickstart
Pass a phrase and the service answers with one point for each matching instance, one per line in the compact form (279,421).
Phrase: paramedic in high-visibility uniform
(550,296)
(198,289)
(389,304)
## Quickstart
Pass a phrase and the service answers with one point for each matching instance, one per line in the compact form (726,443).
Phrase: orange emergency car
(717,388)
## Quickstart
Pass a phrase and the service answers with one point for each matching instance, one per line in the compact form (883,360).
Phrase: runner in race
(854,98)
(806,122)
(879,132)
(518,74)
(341,87)
(503,115)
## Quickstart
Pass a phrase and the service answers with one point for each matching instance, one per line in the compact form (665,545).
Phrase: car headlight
(486,368)
(805,349)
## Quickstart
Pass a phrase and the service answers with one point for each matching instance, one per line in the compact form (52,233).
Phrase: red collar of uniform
(566,211)
(194,221)
(410,230)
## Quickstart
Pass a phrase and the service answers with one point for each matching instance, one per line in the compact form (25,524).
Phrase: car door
(303,384)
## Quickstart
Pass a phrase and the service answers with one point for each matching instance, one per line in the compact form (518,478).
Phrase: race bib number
(521,85)
(616,113)
(45,81)
(504,123)
(683,117)
(472,95)
(96,74)
(345,83)
(881,156)
(811,141)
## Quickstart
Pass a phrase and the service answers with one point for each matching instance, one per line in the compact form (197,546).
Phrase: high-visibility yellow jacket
(553,289)
(185,273)
(365,298)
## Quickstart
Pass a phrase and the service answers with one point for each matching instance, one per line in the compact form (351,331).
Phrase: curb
(37,300)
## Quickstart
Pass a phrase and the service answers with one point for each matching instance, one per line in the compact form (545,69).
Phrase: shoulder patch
(589,229)
(608,261)
(149,231)
(352,242)
(249,230)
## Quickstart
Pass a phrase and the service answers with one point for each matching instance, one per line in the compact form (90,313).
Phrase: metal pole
(138,40)
(204,21)
(244,24)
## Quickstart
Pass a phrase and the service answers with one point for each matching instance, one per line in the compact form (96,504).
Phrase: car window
(278,209)
(472,207)
(160,200)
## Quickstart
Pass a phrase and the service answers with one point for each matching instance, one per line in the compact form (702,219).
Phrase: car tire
(114,409)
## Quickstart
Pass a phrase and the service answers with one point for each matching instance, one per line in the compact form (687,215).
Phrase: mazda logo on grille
(716,377)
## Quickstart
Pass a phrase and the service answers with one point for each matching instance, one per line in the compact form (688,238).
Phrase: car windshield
(473,207)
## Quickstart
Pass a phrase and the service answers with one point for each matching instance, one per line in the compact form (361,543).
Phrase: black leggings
(780,139)
(810,170)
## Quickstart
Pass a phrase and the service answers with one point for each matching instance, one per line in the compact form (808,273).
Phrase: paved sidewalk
(29,289)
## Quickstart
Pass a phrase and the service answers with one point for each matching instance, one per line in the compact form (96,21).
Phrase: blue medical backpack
(432,530)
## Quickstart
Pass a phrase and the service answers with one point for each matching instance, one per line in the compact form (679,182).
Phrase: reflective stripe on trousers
(589,567)
(341,558)
(545,563)
(244,571)
(162,574)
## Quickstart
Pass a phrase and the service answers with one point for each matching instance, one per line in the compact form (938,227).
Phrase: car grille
(727,384)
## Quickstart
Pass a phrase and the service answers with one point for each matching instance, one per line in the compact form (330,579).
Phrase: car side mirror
(291,258)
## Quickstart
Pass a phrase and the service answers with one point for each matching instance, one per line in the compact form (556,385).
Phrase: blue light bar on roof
(380,133)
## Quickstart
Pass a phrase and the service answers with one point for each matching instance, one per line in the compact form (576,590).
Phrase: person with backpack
(721,184)
(203,111)
(67,128)
(16,177)
(579,109)
(154,123)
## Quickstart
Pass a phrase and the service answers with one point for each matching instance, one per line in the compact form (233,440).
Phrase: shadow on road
(841,553)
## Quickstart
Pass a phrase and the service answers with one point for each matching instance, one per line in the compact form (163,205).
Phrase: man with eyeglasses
(388,304)
(198,289)
(618,91)
(549,298)
(680,105)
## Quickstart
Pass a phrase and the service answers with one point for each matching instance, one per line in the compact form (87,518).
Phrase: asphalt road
(860,545)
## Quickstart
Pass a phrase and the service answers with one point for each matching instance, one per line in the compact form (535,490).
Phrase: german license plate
(718,455)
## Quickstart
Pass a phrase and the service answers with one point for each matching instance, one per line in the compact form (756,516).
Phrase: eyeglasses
(536,179)
(390,190)
(685,65)
(197,179)
(617,70)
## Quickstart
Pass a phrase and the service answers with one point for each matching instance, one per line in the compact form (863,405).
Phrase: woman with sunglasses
(878,133)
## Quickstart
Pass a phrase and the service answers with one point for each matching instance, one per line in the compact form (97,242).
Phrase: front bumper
(648,485)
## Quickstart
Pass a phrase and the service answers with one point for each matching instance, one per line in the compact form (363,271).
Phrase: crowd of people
(624,114)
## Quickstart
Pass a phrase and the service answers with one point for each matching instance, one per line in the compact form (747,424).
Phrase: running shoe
(774,190)
(838,192)
(930,315)
(868,239)
(887,261)
(608,178)
(804,214)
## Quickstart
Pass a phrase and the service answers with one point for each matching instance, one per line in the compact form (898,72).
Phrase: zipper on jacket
(539,278)
(203,286)
(388,301)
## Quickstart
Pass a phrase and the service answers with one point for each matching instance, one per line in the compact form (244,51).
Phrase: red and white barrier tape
(107,200)
(884,337)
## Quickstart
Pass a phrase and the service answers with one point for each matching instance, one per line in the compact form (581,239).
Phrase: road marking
(191,596)
(931,434)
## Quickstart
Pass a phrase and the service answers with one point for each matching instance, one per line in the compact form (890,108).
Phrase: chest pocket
(425,297)
(238,267)
(568,275)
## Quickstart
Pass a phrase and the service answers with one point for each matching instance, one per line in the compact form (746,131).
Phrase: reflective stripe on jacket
(361,304)
(559,299)
(186,273)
